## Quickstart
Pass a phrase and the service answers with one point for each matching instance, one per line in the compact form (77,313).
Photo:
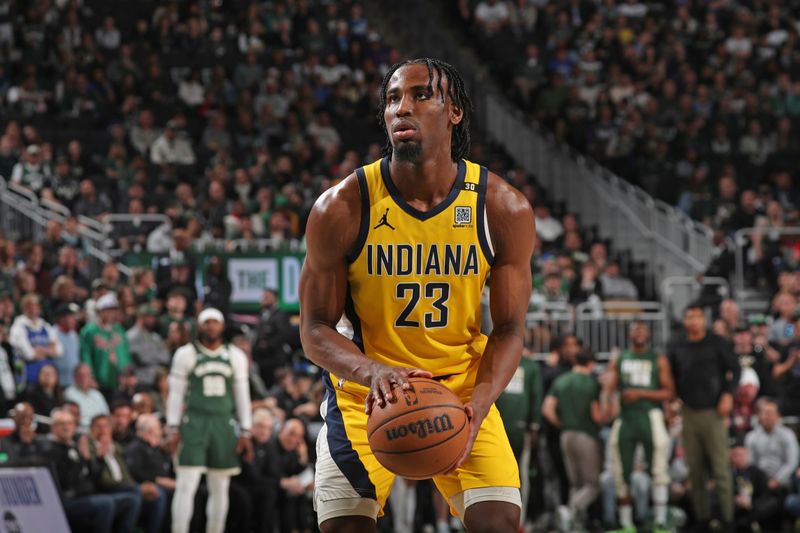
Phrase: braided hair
(459,144)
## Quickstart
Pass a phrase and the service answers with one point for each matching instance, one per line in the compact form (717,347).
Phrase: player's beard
(207,339)
(408,152)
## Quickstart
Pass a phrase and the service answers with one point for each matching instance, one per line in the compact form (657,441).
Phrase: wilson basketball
(422,433)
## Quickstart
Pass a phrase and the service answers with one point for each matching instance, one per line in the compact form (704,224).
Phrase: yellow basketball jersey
(416,278)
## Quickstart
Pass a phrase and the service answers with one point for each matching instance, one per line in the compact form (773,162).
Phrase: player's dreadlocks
(459,147)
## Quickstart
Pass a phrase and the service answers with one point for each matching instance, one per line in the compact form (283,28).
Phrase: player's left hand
(475,417)
(244,447)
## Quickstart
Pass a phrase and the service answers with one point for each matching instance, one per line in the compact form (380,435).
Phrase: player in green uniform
(210,379)
(520,406)
(643,380)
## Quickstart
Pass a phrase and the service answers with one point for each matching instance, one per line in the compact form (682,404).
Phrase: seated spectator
(177,312)
(172,147)
(615,286)
(759,356)
(33,340)
(149,463)
(76,475)
(85,395)
(31,172)
(90,203)
(744,404)
(104,346)
(127,386)
(122,423)
(729,312)
(22,443)
(755,505)
(261,476)
(587,286)
(296,478)
(116,479)
(786,373)
(45,395)
(773,447)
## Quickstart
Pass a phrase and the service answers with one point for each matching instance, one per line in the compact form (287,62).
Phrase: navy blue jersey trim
(413,211)
(355,321)
(483,184)
(363,228)
(341,448)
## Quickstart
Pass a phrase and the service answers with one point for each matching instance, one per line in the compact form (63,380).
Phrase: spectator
(90,203)
(295,476)
(272,335)
(85,395)
(705,372)
(781,332)
(773,448)
(22,443)
(144,134)
(147,347)
(759,356)
(573,405)
(147,462)
(171,147)
(589,285)
(32,172)
(65,326)
(787,373)
(104,346)
(33,340)
(261,476)
(615,286)
(76,476)
(755,506)
(115,479)
(122,423)
(45,395)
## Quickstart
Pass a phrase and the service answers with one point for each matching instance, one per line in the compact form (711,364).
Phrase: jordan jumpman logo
(384,221)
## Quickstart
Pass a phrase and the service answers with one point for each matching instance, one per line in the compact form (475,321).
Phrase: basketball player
(403,246)
(209,377)
(644,380)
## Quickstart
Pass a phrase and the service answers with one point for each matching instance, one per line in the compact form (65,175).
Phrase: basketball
(422,433)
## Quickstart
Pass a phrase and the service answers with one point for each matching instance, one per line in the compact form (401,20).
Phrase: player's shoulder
(339,201)
(186,354)
(333,223)
(236,354)
(504,198)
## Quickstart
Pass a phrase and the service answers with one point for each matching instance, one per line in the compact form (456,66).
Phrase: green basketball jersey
(638,371)
(211,383)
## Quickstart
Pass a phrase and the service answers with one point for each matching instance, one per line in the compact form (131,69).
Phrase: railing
(24,216)
(546,323)
(670,242)
(679,291)
(603,326)
(742,240)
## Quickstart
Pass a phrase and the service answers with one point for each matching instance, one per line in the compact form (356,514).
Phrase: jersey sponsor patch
(463,215)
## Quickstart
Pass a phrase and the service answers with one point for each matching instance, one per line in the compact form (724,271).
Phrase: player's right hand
(172,442)
(385,378)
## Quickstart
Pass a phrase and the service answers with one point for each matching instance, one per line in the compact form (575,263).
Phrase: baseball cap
(66,309)
(107,301)
(147,309)
(210,314)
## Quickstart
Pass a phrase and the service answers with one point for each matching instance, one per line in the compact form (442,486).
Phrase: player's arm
(330,235)
(665,391)
(550,410)
(241,397)
(513,232)
(608,396)
(182,364)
